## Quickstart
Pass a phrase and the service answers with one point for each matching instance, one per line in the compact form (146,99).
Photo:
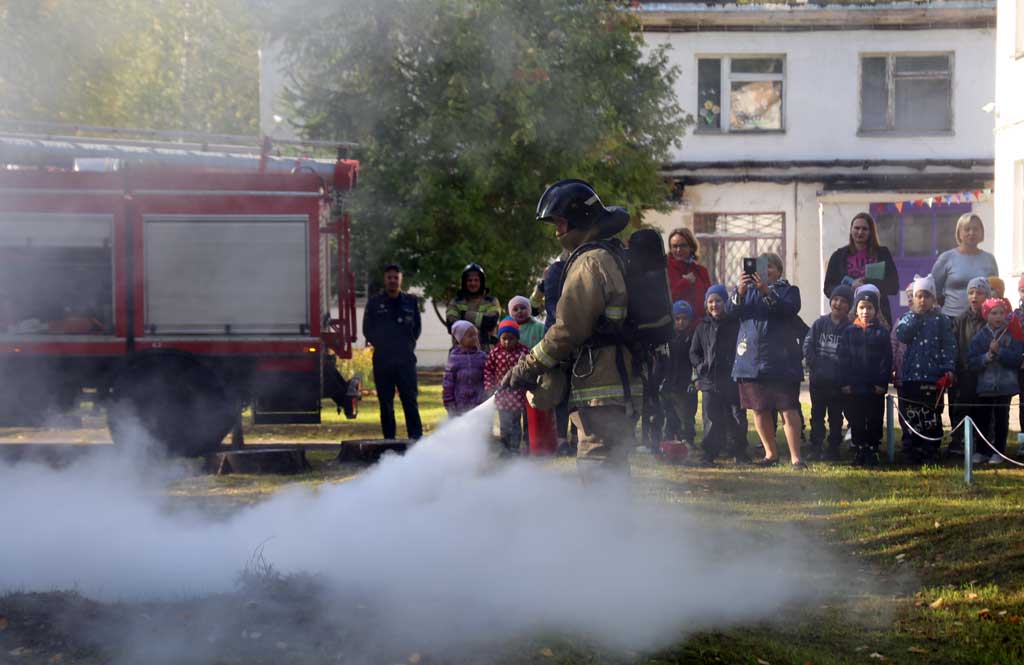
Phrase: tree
(466,109)
(159,64)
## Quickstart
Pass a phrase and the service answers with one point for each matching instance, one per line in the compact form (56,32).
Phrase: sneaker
(995,459)
(814,452)
(978,458)
(742,460)
(767,462)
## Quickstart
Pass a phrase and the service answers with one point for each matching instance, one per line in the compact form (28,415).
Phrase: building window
(906,93)
(726,238)
(747,90)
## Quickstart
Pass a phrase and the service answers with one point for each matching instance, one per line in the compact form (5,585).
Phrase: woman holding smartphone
(766,369)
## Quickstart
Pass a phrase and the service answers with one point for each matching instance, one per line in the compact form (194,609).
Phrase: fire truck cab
(181,285)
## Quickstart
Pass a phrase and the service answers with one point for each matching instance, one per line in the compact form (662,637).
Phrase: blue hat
(869,294)
(719,290)
(682,308)
(843,291)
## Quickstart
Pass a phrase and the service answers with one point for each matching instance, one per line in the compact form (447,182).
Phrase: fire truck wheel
(173,399)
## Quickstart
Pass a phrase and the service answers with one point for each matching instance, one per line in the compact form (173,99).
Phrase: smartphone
(749,266)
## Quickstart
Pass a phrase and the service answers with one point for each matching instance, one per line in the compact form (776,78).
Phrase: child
(995,356)
(930,356)
(965,327)
(463,385)
(997,286)
(680,395)
(541,424)
(712,353)
(511,403)
(821,352)
(865,363)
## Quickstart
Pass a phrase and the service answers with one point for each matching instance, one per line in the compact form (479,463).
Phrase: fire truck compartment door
(226,274)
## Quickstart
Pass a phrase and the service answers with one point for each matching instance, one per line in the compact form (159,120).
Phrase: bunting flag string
(940,200)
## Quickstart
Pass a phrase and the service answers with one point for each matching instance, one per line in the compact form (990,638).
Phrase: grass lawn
(933,570)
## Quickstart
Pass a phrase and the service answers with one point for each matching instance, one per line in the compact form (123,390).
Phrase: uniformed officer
(586,338)
(391,324)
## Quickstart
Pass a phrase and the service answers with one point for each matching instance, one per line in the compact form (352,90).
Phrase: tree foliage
(466,109)
(159,64)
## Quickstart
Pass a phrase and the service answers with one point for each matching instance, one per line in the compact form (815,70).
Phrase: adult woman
(849,264)
(767,366)
(687,279)
(956,267)
(475,304)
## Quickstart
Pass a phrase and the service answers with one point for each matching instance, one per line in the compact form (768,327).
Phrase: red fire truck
(181,282)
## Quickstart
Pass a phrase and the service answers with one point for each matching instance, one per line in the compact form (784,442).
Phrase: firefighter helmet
(576,202)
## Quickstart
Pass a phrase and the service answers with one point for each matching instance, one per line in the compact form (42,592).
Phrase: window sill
(738,132)
(897,133)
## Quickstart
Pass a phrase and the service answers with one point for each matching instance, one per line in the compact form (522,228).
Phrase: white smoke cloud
(448,543)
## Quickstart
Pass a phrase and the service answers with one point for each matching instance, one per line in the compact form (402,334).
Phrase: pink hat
(992,303)
(460,328)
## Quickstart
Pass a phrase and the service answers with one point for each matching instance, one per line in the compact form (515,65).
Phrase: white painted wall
(822,93)
(1009,145)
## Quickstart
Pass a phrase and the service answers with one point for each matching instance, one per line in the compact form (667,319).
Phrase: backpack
(649,312)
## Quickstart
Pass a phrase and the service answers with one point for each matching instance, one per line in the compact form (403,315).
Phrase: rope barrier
(906,424)
(977,431)
(960,404)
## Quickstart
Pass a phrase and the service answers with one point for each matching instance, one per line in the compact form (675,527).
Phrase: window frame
(890,87)
(726,78)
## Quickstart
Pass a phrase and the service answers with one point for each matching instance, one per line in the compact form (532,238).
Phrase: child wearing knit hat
(865,363)
(995,355)
(821,354)
(927,367)
(462,388)
(712,353)
(511,403)
(679,396)
(965,327)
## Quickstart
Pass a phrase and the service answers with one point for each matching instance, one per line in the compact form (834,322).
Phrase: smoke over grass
(447,547)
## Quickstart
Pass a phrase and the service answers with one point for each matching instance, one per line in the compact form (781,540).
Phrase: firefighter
(586,339)
(474,303)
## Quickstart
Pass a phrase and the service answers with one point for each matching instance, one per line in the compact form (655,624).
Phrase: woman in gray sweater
(956,267)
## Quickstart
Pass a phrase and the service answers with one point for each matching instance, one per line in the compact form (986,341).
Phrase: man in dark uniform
(391,324)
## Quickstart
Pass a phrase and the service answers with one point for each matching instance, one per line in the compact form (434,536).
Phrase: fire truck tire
(173,399)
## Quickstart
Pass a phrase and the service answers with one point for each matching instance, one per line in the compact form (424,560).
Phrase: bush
(360,363)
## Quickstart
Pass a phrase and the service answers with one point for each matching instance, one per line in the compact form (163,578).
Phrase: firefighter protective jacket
(593,300)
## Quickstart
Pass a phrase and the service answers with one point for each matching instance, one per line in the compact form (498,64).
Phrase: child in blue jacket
(995,356)
(865,361)
(930,357)
(821,353)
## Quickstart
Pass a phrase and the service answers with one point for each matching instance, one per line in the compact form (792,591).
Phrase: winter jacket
(500,361)
(713,352)
(682,289)
(998,375)
(931,347)
(680,371)
(889,285)
(593,300)
(530,333)
(898,349)
(463,386)
(392,326)
(766,347)
(965,327)
(821,349)
(865,357)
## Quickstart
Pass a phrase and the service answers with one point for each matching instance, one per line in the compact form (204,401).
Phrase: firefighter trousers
(607,434)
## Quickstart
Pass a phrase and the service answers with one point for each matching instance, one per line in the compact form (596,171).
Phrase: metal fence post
(968,450)
(890,426)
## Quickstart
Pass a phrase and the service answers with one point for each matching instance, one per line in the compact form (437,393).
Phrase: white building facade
(1009,140)
(808,114)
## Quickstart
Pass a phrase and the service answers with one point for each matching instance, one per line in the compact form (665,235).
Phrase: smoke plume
(450,545)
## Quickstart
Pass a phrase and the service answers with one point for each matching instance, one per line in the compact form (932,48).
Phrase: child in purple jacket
(463,386)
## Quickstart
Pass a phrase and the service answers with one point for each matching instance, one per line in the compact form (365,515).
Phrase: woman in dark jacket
(849,264)
(768,365)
